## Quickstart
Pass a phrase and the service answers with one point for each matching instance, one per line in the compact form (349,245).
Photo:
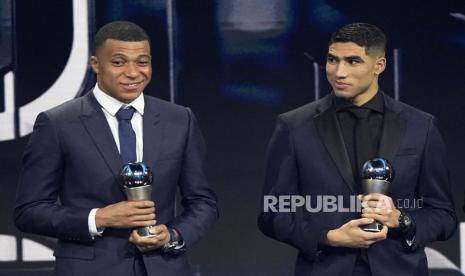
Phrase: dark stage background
(237,64)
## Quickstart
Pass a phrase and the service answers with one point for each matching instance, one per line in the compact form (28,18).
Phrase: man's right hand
(351,235)
(126,214)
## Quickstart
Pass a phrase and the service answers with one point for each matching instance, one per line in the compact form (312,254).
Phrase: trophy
(137,182)
(377,175)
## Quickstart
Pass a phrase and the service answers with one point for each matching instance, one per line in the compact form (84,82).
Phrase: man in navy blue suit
(317,152)
(69,188)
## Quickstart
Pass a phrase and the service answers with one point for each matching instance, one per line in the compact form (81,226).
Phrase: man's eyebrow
(353,57)
(118,55)
(332,56)
(126,56)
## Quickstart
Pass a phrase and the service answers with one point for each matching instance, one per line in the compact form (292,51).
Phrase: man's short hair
(365,35)
(119,30)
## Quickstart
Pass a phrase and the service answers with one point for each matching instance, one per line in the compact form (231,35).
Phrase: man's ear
(94,64)
(380,65)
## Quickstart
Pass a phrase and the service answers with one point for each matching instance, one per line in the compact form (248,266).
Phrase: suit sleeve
(282,178)
(37,208)
(436,220)
(197,198)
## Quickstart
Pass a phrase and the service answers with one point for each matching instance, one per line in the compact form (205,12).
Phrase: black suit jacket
(307,156)
(71,165)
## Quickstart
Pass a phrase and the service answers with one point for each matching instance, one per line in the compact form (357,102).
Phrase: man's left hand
(160,237)
(381,208)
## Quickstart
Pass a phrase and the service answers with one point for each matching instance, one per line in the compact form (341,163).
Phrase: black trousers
(139,266)
(362,267)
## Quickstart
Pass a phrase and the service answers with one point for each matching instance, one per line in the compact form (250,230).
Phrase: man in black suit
(319,149)
(69,188)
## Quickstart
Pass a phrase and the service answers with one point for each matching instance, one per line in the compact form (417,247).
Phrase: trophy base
(373,227)
(145,231)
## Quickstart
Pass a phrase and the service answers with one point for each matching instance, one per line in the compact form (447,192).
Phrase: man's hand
(381,208)
(161,236)
(351,235)
(126,214)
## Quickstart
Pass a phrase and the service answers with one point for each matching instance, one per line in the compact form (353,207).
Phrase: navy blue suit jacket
(307,156)
(71,165)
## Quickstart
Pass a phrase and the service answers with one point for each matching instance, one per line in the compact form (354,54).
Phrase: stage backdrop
(237,64)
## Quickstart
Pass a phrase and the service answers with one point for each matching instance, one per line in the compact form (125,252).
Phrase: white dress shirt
(110,106)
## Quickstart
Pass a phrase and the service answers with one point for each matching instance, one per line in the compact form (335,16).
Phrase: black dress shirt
(347,122)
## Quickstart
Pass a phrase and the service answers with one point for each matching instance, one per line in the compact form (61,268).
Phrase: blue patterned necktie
(127,136)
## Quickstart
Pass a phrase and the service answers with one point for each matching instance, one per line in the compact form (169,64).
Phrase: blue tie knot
(125,113)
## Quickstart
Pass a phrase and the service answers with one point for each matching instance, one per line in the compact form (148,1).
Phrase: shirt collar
(376,103)
(112,105)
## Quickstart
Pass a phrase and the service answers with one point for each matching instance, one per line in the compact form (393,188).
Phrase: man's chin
(343,94)
(125,98)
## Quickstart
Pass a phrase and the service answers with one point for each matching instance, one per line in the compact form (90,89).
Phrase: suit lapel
(152,132)
(331,136)
(96,125)
(393,129)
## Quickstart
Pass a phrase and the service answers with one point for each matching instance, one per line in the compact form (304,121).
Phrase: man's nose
(340,70)
(131,70)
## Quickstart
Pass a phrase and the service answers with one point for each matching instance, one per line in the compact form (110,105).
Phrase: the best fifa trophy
(137,183)
(377,175)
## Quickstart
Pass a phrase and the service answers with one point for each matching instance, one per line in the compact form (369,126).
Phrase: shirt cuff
(94,232)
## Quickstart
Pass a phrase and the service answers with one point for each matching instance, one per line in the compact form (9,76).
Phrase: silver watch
(175,245)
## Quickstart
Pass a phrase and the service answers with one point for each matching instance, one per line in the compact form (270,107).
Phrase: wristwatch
(405,221)
(175,245)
